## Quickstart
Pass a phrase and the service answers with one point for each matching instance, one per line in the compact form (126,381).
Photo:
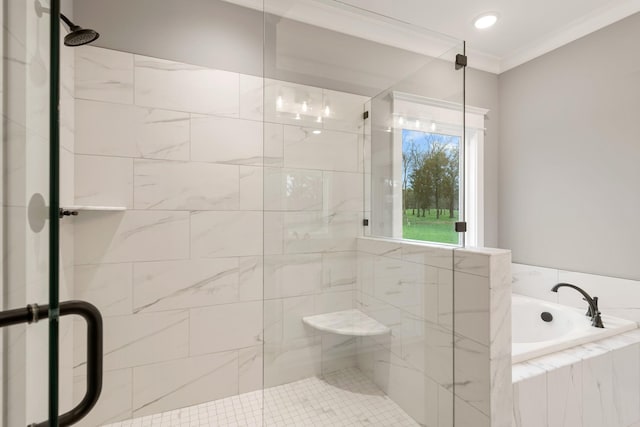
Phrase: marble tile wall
(410,288)
(617,297)
(596,384)
(224,207)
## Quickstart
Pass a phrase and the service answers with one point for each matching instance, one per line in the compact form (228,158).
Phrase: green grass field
(429,228)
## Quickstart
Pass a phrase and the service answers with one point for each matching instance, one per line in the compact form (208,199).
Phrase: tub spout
(593,312)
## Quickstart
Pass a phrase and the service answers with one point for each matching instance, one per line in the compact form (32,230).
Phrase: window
(439,173)
(430,185)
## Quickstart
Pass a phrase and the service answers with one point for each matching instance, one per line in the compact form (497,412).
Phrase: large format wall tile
(306,232)
(226,140)
(225,327)
(224,234)
(181,87)
(116,398)
(134,340)
(104,75)
(103,181)
(185,185)
(292,275)
(329,150)
(167,285)
(109,237)
(292,190)
(140,132)
(108,286)
(185,382)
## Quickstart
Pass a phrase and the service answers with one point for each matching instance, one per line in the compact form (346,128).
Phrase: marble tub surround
(616,297)
(224,209)
(409,287)
(596,384)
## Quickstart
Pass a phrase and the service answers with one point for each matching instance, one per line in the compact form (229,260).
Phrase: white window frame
(419,113)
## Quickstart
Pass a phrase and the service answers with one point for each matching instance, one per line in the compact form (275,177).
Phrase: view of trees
(430,174)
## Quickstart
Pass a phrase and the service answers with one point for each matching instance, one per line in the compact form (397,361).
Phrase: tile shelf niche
(346,322)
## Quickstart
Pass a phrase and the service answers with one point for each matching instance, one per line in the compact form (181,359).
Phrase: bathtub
(532,337)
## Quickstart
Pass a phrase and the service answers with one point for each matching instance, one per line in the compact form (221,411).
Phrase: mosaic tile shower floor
(342,398)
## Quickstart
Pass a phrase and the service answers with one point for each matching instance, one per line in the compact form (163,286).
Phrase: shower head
(78,36)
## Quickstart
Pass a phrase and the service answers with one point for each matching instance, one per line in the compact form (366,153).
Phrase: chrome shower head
(78,36)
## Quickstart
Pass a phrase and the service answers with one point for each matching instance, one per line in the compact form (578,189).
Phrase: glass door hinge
(365,115)
(461,61)
(461,227)
(365,222)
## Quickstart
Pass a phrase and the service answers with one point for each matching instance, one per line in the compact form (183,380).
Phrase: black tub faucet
(593,311)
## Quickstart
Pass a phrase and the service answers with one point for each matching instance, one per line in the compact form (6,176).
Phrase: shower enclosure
(237,208)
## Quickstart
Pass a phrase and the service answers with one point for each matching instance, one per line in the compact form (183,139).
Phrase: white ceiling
(526,29)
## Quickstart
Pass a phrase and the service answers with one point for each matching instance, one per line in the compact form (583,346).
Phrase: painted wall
(569,155)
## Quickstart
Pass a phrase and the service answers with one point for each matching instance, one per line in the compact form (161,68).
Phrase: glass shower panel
(25,199)
(355,328)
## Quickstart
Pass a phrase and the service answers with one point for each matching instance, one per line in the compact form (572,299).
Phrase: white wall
(569,155)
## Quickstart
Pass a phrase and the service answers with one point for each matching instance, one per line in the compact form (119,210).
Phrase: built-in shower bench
(347,322)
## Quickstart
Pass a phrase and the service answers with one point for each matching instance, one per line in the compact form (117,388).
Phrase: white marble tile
(329,150)
(226,140)
(251,273)
(564,396)
(406,386)
(438,354)
(161,184)
(182,87)
(103,181)
(291,103)
(115,401)
(67,177)
(251,188)
(251,97)
(472,306)
(343,191)
(224,234)
(626,384)
(109,237)
(162,134)
(472,261)
(292,361)
(597,392)
(250,369)
(292,275)
(339,271)
(167,285)
(445,407)
(134,340)
(400,284)
(381,247)
(472,374)
(176,384)
(338,352)
(273,144)
(283,319)
(104,75)
(387,315)
(435,256)
(292,190)
(345,111)
(141,132)
(273,233)
(104,128)
(445,298)
(234,326)
(108,286)
(334,301)
(529,411)
(535,282)
(320,232)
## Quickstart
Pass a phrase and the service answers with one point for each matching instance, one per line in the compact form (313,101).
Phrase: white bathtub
(533,337)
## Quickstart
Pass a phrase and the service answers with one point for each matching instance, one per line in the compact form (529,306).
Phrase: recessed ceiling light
(486,20)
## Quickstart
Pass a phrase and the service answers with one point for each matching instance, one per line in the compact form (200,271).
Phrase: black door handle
(89,312)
